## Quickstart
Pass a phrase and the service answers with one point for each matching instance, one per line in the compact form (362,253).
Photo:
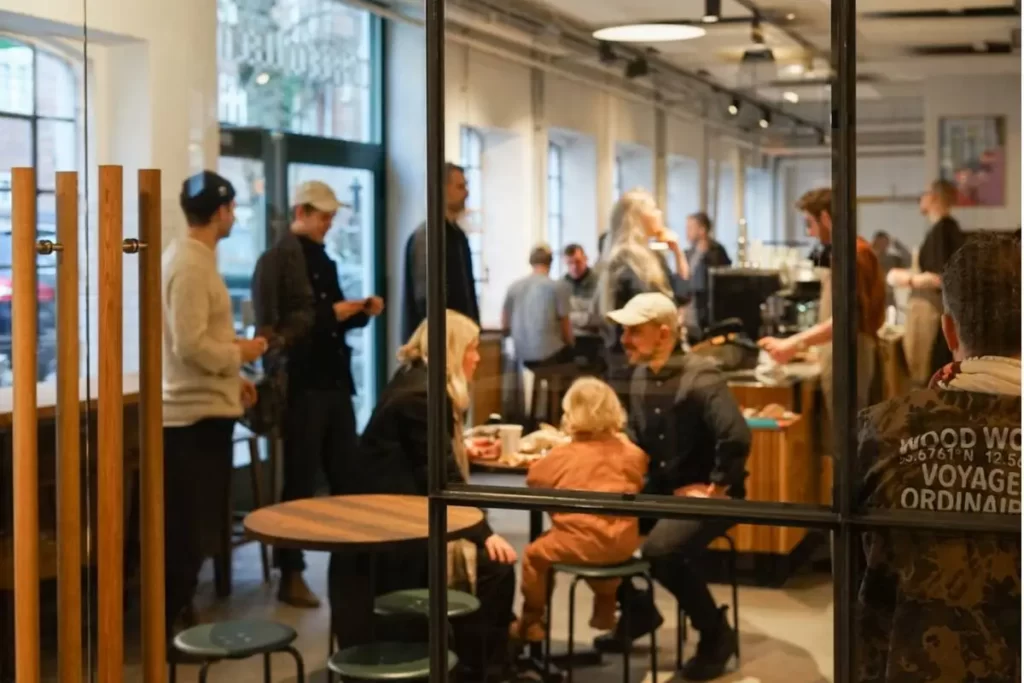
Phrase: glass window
(726,226)
(299,66)
(758,205)
(38,128)
(556,200)
(473,221)
(618,189)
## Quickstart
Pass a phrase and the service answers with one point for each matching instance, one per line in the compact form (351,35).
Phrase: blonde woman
(599,458)
(629,266)
(393,459)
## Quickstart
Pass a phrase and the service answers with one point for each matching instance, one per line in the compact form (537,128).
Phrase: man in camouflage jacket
(936,607)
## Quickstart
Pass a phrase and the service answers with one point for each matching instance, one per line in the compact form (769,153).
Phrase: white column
(540,156)
(605,162)
(739,170)
(660,157)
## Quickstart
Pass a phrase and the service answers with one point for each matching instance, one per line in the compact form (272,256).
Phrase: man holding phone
(302,309)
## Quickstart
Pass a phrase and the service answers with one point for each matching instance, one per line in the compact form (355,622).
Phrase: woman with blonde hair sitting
(599,458)
(393,459)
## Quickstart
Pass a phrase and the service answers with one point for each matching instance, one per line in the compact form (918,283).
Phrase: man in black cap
(203,392)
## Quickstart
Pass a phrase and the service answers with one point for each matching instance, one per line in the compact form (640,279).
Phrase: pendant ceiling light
(649,33)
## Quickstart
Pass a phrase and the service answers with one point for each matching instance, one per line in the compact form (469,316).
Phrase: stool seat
(609,571)
(386,662)
(234,639)
(416,601)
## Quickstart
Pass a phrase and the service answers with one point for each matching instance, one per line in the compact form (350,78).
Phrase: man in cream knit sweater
(203,392)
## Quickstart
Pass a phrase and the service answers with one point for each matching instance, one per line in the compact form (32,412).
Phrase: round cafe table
(358,523)
(370,523)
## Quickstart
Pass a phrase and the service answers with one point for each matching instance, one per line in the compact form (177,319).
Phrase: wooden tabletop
(46,397)
(352,523)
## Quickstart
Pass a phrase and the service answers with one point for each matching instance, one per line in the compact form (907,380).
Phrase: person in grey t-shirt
(536,314)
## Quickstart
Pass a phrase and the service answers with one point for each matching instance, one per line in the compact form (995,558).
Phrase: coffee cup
(510,436)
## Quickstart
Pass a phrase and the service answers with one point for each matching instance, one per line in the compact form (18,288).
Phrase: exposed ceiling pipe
(863,151)
(583,36)
(482,46)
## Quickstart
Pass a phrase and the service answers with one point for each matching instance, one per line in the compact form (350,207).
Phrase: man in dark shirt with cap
(203,392)
(302,309)
(683,415)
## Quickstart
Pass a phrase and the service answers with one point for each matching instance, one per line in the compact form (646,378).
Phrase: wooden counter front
(47,401)
(781,471)
(47,398)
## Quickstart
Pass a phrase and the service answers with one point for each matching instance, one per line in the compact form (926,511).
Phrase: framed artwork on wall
(972,156)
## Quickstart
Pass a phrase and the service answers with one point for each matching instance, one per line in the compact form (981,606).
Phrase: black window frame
(841,517)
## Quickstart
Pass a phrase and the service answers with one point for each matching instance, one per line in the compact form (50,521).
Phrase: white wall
(503,101)
(902,178)
(152,82)
(978,96)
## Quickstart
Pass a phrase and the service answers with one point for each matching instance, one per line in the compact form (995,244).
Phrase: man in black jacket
(459,281)
(682,414)
(704,253)
(299,305)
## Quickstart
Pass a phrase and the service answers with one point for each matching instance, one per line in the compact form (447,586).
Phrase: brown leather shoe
(294,591)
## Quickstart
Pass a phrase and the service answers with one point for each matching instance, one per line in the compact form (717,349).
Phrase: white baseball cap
(318,195)
(647,308)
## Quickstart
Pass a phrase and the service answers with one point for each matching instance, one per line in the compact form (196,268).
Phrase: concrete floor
(786,634)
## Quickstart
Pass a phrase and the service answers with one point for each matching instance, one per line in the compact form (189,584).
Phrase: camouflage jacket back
(936,607)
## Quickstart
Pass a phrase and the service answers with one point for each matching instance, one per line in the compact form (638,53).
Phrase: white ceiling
(884,44)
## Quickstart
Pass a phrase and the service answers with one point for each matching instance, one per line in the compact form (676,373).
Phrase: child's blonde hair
(591,409)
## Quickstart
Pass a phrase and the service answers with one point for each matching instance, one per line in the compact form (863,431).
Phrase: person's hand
(500,550)
(343,310)
(780,350)
(899,277)
(249,394)
(374,306)
(701,490)
(671,240)
(251,349)
(926,281)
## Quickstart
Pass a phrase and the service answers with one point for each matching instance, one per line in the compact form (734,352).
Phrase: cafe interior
(554,112)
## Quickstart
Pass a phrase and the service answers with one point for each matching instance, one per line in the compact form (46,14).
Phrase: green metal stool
(385,662)
(238,640)
(416,602)
(625,571)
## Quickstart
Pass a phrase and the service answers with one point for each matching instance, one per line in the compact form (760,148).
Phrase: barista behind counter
(816,206)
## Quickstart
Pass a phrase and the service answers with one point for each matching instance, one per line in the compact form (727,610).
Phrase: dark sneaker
(642,620)
(295,592)
(714,650)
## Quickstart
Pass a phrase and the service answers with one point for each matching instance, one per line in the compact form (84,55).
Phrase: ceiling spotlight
(734,107)
(766,120)
(756,32)
(649,33)
(791,16)
(263,78)
(637,68)
(791,97)
(712,11)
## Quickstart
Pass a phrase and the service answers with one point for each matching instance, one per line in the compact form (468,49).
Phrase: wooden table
(360,523)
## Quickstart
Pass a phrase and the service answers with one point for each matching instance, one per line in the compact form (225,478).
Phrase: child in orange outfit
(599,458)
